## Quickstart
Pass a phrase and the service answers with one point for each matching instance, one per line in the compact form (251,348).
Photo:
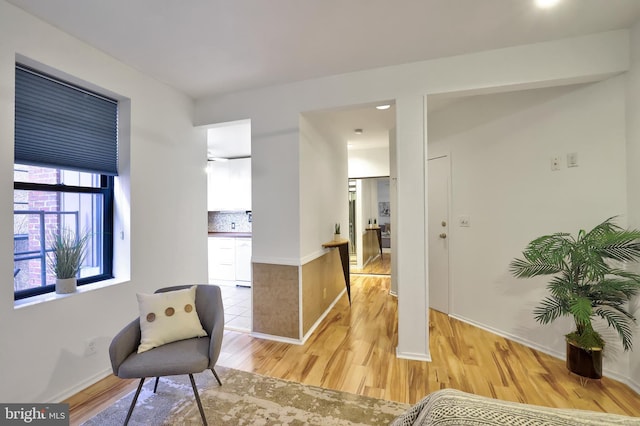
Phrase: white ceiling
(206,47)
(209,47)
(341,124)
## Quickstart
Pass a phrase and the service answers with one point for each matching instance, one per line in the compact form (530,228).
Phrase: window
(64,168)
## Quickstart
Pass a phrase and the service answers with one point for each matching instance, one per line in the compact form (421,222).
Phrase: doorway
(230,219)
(370,225)
(438,178)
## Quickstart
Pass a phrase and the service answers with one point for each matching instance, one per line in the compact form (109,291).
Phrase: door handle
(443,235)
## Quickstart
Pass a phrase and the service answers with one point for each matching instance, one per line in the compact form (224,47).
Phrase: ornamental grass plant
(68,253)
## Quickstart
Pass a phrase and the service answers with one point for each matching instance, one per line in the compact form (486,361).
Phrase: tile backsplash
(223,221)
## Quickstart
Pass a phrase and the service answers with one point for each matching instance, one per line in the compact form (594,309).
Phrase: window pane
(48,175)
(40,214)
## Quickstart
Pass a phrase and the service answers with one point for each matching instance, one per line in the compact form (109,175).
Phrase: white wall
(393,175)
(162,211)
(275,197)
(500,147)
(552,63)
(633,175)
(324,190)
(373,162)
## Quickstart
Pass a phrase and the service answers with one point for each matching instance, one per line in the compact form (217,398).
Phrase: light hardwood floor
(380,265)
(353,350)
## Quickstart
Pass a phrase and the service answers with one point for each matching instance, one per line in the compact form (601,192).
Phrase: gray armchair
(182,357)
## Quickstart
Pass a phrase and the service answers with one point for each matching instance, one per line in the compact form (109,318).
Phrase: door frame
(444,154)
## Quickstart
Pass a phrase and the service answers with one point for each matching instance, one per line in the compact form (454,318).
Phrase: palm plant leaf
(585,284)
(615,289)
(623,250)
(542,256)
(620,322)
(552,247)
(527,269)
(549,310)
(561,287)
(581,310)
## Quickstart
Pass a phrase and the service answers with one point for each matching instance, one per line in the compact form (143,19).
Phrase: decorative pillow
(168,317)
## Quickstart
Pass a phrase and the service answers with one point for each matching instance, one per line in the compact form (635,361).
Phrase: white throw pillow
(168,317)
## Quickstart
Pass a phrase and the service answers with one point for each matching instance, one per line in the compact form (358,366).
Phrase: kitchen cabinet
(230,259)
(229,185)
(243,259)
(222,257)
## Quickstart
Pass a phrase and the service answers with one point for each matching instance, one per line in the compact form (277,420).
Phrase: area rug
(247,399)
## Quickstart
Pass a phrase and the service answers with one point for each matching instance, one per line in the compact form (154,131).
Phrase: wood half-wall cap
(334,243)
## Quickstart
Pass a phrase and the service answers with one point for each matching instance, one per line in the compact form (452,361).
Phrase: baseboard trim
(79,387)
(509,336)
(413,356)
(556,354)
(276,338)
(322,317)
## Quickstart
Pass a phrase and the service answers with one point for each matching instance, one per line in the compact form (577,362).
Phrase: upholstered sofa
(449,407)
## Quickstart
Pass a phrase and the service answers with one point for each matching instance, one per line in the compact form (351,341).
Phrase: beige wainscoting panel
(322,282)
(276,303)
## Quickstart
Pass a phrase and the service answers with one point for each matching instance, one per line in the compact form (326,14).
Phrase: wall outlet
(233,225)
(555,163)
(90,347)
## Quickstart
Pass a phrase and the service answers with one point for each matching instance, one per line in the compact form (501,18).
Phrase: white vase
(336,237)
(66,285)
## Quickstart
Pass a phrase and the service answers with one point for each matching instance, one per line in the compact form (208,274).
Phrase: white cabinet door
(243,259)
(229,185)
(222,256)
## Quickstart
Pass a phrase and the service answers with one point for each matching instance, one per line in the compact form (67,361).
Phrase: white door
(438,213)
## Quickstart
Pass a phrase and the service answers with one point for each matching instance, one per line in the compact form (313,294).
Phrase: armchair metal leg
(216,375)
(133,403)
(195,392)
(155,387)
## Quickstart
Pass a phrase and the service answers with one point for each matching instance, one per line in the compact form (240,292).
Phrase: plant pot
(66,285)
(584,362)
(336,237)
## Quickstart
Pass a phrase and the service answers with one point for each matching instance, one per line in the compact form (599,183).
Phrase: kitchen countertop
(230,234)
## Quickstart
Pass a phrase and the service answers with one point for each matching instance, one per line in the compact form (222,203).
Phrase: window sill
(42,298)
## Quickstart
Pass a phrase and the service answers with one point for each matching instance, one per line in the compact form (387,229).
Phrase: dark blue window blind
(60,125)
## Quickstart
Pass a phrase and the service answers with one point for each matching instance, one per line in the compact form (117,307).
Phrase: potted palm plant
(588,282)
(336,233)
(68,251)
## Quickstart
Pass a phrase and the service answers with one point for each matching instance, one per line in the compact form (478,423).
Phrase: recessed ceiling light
(358,131)
(545,4)
(383,106)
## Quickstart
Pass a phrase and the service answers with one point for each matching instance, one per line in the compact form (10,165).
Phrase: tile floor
(237,307)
